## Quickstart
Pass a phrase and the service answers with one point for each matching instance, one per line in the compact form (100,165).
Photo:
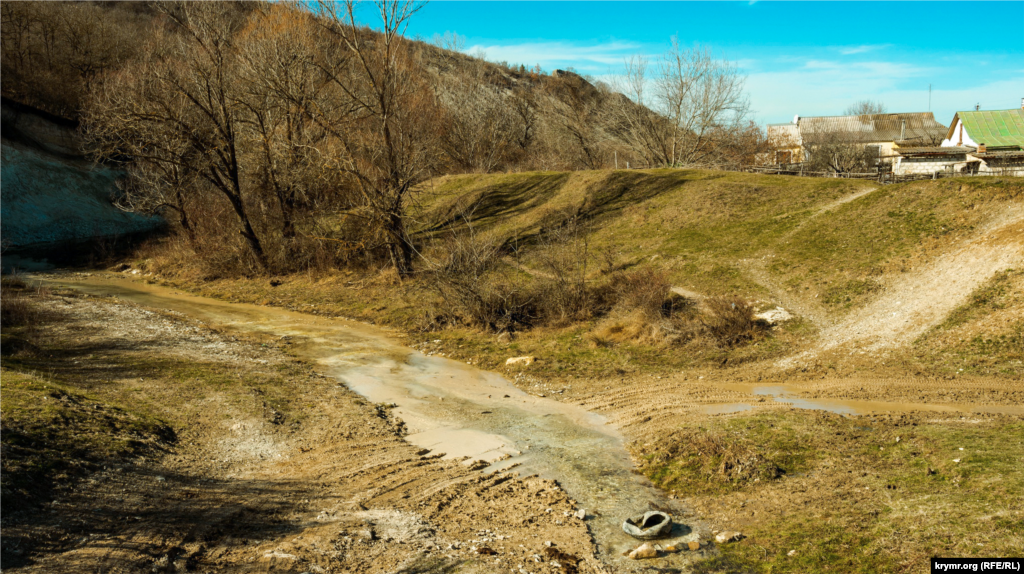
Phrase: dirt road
(330,487)
(475,429)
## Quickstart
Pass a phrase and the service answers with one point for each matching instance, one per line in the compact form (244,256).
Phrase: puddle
(449,407)
(791,396)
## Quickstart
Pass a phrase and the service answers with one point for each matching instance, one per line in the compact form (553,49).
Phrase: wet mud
(451,408)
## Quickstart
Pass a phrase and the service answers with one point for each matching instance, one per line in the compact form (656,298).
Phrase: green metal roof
(995,128)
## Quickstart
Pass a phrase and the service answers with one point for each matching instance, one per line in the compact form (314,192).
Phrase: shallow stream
(448,407)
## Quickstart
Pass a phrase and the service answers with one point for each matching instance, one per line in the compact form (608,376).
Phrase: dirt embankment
(297,477)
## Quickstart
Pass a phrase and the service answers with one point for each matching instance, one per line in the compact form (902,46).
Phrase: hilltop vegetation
(243,122)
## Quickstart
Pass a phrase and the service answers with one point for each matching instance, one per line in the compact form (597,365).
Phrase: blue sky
(807,58)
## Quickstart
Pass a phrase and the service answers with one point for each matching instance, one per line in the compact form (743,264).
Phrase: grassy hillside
(719,232)
(821,248)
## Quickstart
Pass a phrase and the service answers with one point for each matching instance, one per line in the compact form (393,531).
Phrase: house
(996,139)
(879,133)
(929,160)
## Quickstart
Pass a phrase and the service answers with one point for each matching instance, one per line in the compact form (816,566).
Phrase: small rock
(645,550)
(581,514)
(524,361)
(693,545)
(728,536)
(672,549)
(549,543)
(773,316)
(791,553)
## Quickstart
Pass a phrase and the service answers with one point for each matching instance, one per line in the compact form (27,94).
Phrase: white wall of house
(956,141)
(996,167)
(927,166)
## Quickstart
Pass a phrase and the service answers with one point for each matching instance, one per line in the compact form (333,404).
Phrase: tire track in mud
(340,492)
(558,441)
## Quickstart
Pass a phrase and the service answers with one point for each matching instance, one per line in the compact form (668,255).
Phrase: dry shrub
(564,294)
(478,289)
(644,290)
(16,310)
(716,458)
(645,312)
(730,320)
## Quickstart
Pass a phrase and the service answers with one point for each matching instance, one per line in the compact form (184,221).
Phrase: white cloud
(822,87)
(850,50)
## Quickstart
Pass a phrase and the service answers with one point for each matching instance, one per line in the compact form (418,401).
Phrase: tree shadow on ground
(495,203)
(141,514)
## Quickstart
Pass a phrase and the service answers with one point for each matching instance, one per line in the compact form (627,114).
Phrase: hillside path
(921,299)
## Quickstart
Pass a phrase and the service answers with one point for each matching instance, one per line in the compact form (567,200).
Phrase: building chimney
(903,130)
(981,148)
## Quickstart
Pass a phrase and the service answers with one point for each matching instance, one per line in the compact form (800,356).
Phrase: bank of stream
(450,407)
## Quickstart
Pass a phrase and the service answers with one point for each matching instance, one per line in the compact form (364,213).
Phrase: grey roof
(919,126)
(1000,155)
(934,150)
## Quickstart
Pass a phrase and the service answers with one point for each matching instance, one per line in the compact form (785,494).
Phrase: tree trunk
(399,246)
(248,233)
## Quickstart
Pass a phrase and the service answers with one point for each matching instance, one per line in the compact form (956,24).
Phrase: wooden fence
(882,176)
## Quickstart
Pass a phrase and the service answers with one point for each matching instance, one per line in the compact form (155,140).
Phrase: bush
(564,293)
(478,289)
(730,320)
(16,306)
(643,290)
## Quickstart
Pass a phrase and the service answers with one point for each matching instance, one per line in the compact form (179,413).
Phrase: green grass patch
(52,433)
(849,496)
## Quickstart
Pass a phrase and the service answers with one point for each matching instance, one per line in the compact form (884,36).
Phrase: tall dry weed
(16,310)
(730,320)
(477,288)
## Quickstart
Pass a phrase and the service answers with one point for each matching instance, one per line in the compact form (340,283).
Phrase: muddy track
(340,492)
(452,411)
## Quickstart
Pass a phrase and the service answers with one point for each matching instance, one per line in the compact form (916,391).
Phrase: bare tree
(178,114)
(390,147)
(278,87)
(865,108)
(52,51)
(700,95)
(835,151)
(647,133)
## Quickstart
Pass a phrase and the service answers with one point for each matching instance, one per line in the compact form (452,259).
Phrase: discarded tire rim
(652,524)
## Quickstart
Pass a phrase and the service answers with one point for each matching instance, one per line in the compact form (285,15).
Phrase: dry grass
(16,309)
(849,494)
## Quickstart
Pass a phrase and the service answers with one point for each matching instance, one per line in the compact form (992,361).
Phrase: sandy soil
(340,492)
(921,298)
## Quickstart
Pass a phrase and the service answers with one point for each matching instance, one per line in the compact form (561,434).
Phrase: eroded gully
(448,407)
